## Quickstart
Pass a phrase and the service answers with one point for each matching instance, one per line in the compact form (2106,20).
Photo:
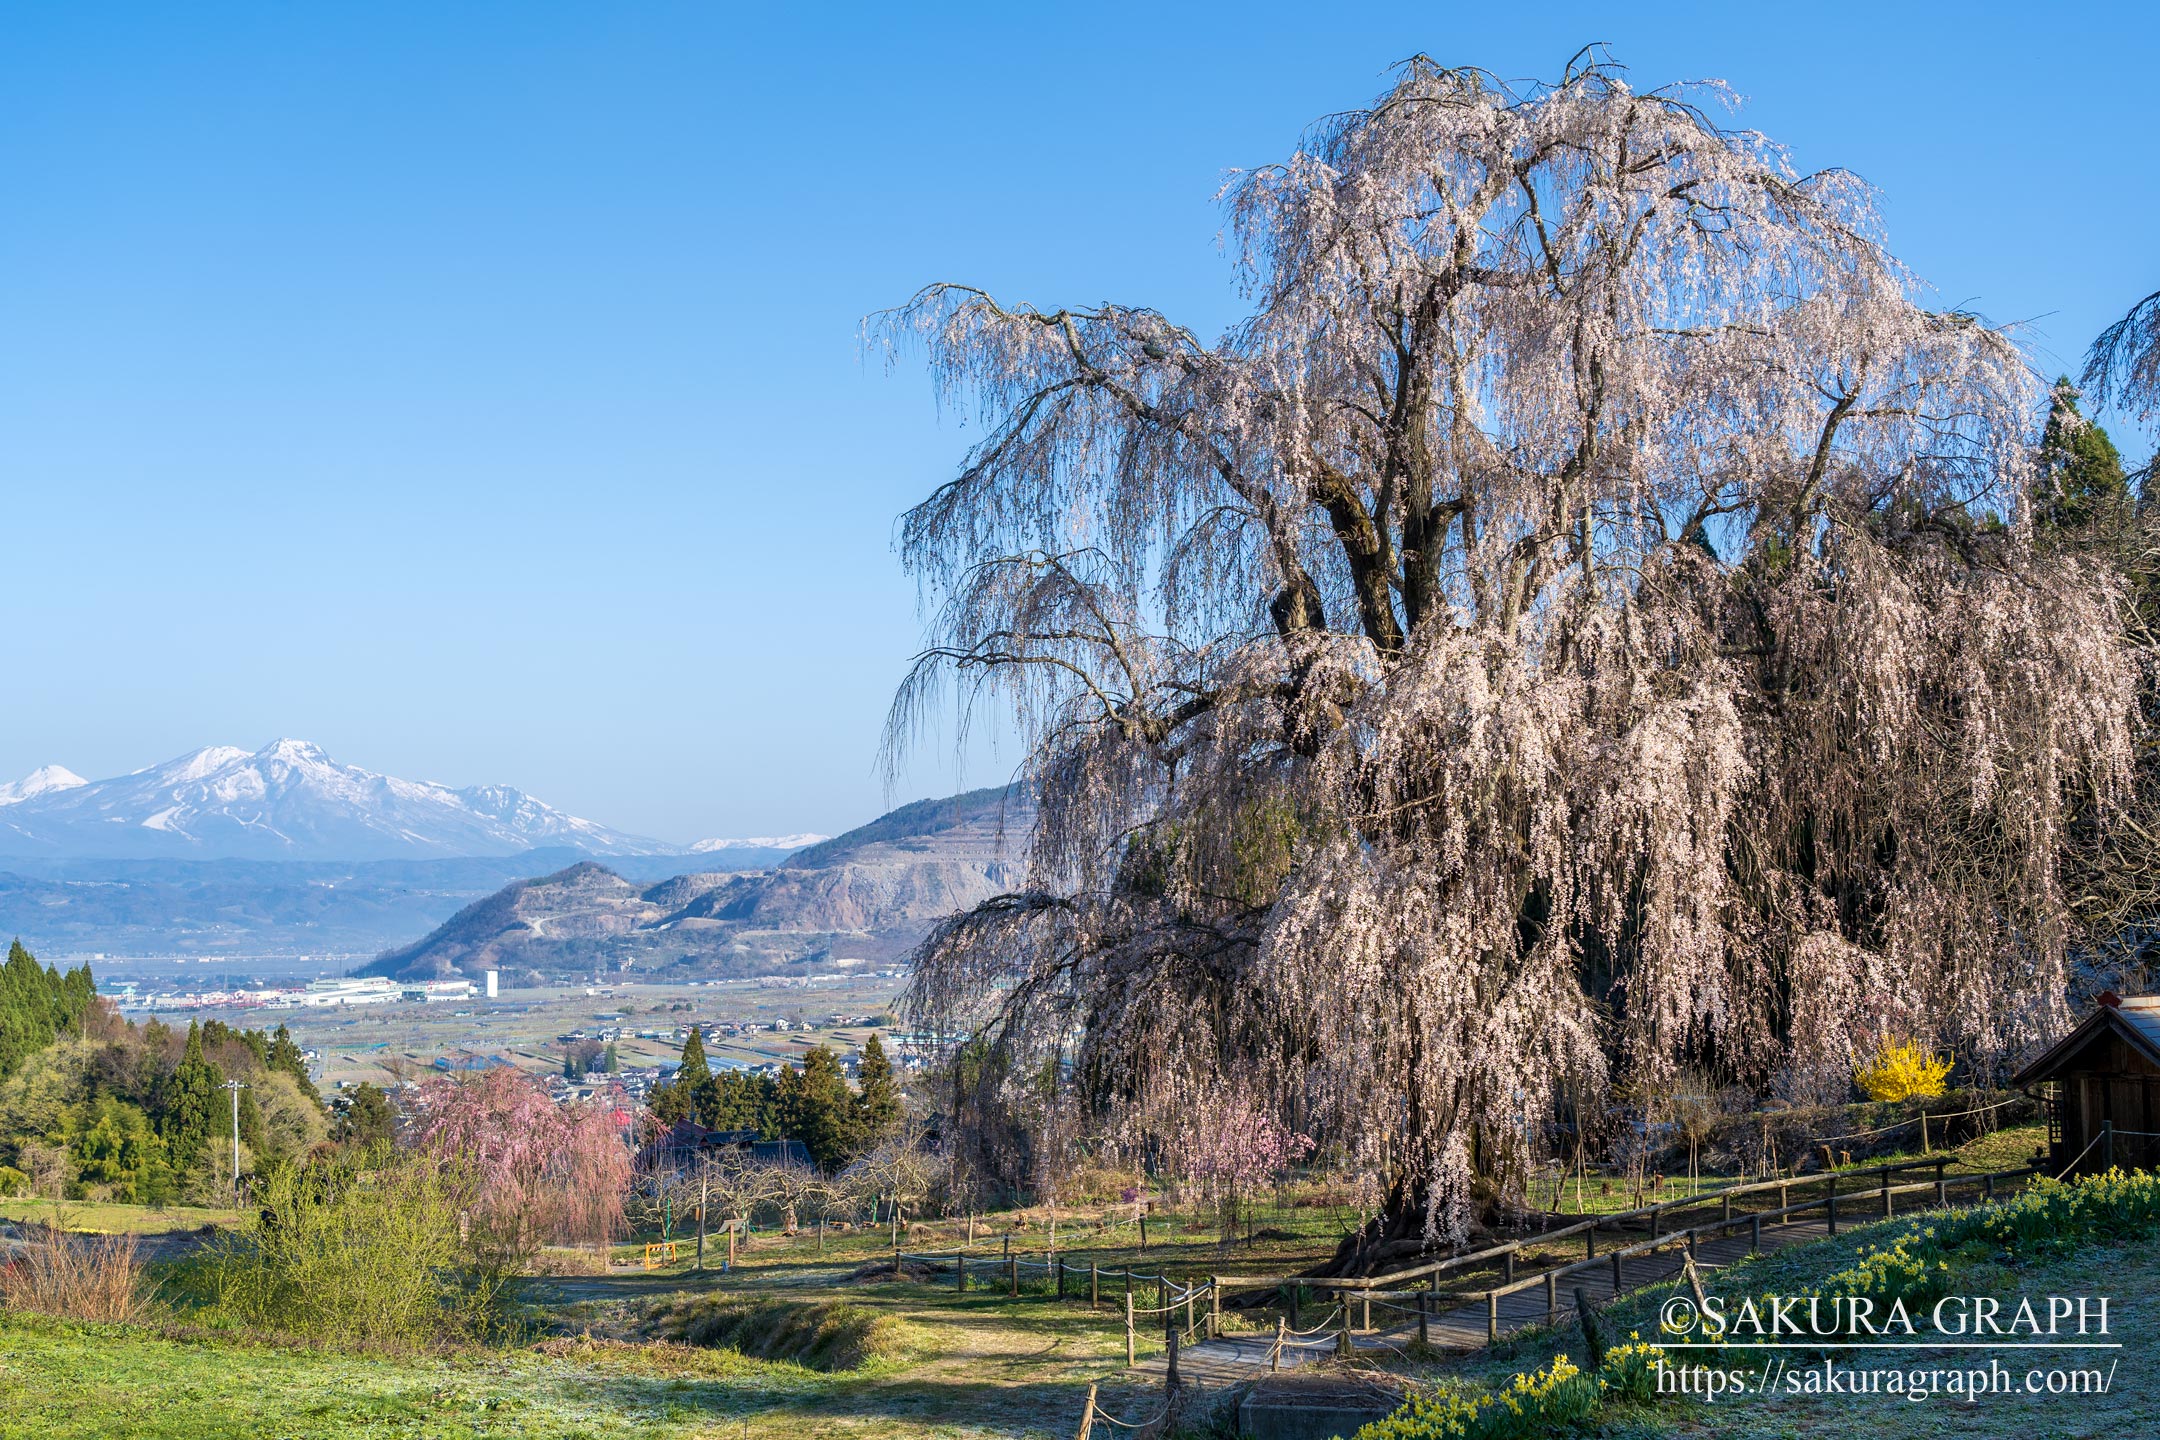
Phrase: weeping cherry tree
(1583,623)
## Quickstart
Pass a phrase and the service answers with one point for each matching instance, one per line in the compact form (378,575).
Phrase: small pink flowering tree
(538,1172)
(1232,1148)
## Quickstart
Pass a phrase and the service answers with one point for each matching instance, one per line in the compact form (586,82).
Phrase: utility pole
(235,1087)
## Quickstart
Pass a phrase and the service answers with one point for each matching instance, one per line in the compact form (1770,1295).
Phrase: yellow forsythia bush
(1902,1070)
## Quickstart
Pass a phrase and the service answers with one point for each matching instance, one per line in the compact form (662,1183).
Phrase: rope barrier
(1327,1323)
(2075,1158)
(1914,1120)
(1104,1415)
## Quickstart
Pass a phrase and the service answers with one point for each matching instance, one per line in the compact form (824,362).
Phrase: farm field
(379,1043)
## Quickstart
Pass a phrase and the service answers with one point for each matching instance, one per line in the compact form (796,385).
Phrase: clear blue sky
(475,389)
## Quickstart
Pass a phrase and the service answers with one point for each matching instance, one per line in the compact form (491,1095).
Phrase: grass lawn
(105,1219)
(982,1364)
(977,1372)
(2128,1275)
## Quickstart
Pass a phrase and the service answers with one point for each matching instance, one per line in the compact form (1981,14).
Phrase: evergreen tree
(671,1102)
(369,1121)
(283,1054)
(611,1062)
(38,1004)
(878,1104)
(252,1130)
(694,1067)
(741,1101)
(2082,479)
(187,1103)
(817,1108)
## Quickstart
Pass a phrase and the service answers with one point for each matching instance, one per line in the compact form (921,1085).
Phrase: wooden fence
(1347,1302)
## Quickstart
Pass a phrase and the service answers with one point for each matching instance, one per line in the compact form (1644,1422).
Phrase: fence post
(1616,1273)
(1492,1315)
(1424,1317)
(1830,1202)
(1552,1297)
(959,1268)
(1987,1184)
(1170,1346)
(1087,1416)
(1343,1344)
(1274,1359)
(1507,1268)
(1060,1264)
(1925,1148)
(1012,1274)
(1128,1321)
(1214,1307)
(1727,1215)
(1189,1306)
(1297,1293)
(1887,1200)
(1094,1284)
(1755,1234)
(1590,1242)
(1657,1213)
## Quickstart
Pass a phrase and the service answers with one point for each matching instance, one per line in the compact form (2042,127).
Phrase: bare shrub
(80,1277)
(348,1256)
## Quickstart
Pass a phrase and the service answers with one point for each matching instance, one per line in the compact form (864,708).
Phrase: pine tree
(611,1062)
(878,1105)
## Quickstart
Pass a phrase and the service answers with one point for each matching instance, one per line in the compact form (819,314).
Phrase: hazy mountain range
(284,852)
(290,801)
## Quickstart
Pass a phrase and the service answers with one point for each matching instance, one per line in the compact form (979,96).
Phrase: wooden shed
(2100,1088)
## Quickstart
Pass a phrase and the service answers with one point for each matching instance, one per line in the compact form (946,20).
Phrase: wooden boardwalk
(1463,1326)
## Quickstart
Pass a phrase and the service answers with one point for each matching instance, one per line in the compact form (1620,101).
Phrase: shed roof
(2135,1019)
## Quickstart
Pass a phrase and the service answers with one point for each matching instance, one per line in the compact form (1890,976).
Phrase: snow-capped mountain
(757,842)
(287,801)
(41,781)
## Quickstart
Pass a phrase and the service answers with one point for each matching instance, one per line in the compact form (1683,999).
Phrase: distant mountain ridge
(869,894)
(286,801)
